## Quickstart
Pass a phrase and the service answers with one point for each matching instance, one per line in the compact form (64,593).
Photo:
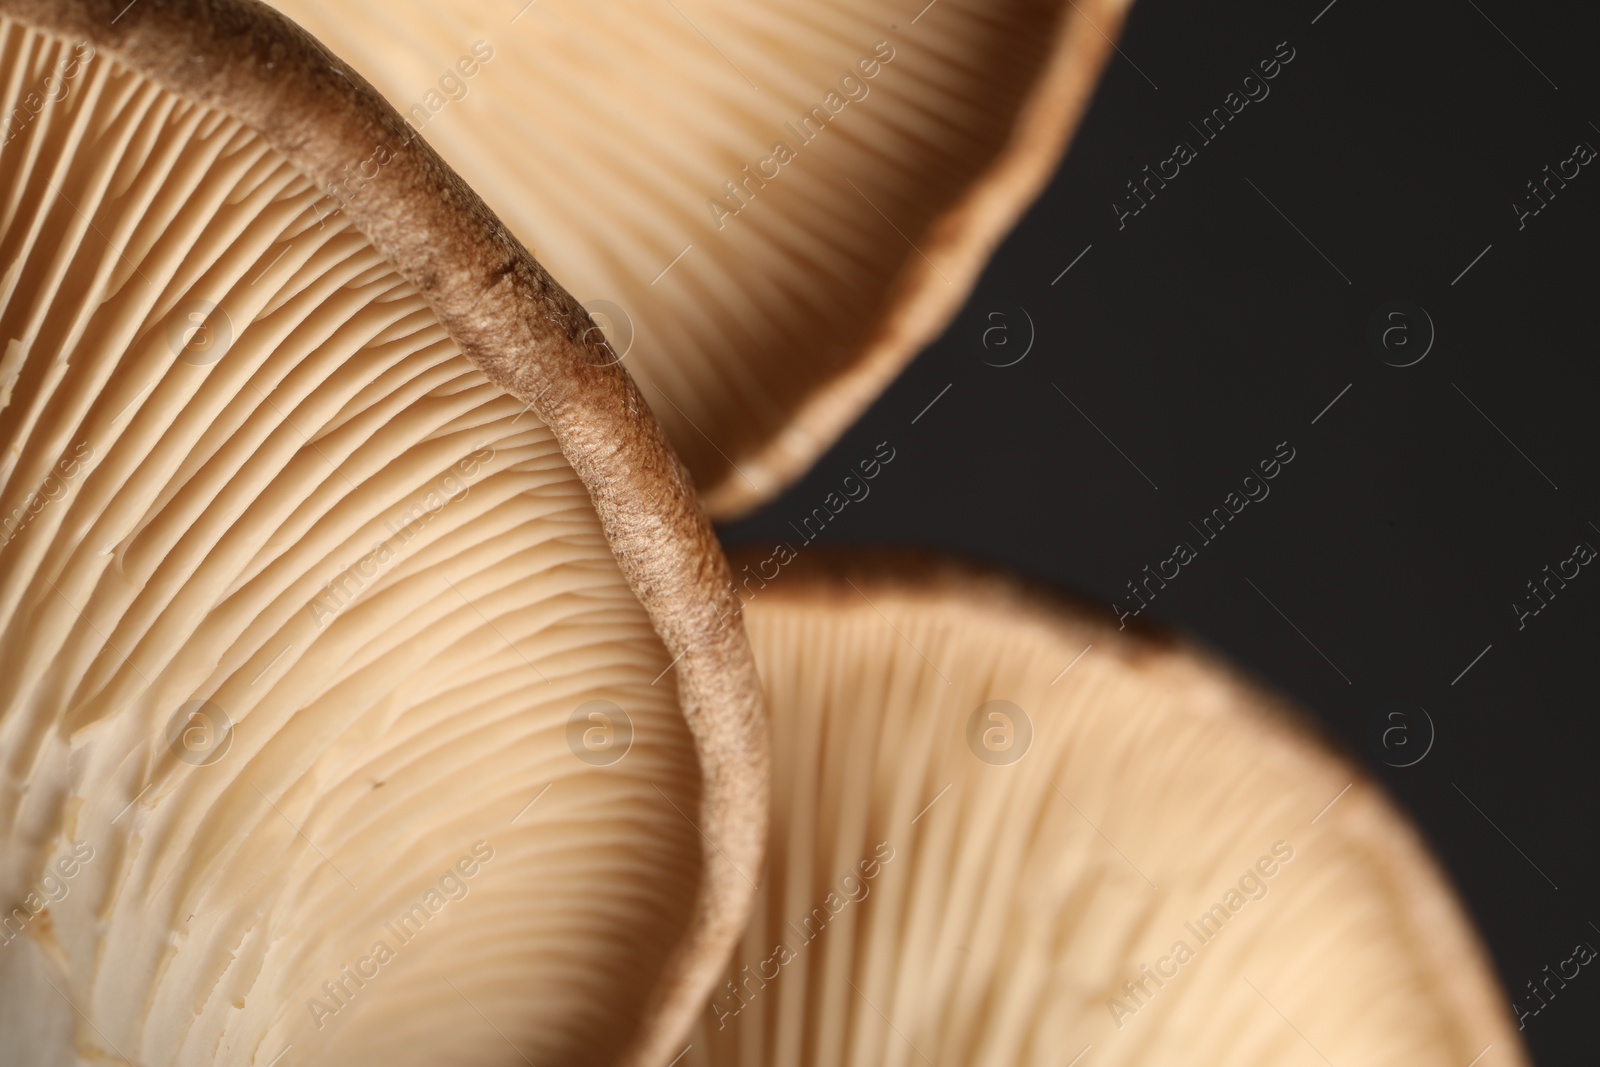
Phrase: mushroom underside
(329,719)
(1004,832)
(770,206)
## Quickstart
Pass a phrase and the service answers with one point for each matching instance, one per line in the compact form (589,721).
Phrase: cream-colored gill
(1005,833)
(783,200)
(296,611)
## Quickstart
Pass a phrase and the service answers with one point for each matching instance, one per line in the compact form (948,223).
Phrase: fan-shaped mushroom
(1006,833)
(351,605)
(785,200)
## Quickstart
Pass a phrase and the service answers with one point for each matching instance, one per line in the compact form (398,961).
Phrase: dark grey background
(1223,319)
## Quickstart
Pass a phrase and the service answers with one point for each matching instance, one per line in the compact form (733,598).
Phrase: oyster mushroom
(1005,832)
(783,201)
(364,696)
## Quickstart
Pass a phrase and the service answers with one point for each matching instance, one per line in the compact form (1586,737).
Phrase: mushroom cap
(991,809)
(349,592)
(778,203)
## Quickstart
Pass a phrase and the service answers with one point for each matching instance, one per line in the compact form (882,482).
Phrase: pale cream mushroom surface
(1007,833)
(364,697)
(771,204)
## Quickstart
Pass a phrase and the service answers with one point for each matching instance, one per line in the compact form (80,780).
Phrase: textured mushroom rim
(531,338)
(921,302)
(849,576)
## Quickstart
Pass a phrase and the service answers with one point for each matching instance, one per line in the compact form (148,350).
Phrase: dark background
(1212,327)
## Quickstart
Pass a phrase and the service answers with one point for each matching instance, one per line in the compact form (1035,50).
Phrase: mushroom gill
(334,728)
(1006,833)
(780,202)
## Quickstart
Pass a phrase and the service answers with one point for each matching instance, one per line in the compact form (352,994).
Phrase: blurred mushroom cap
(1006,832)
